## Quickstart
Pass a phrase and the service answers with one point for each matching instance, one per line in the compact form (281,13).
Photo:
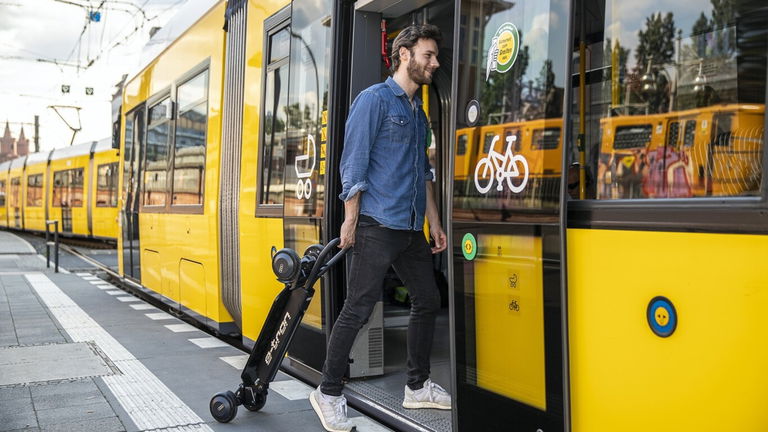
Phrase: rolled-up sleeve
(361,129)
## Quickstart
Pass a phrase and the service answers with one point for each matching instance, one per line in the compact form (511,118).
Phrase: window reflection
(677,110)
(275,122)
(35,190)
(106,185)
(511,155)
(189,141)
(68,188)
(156,168)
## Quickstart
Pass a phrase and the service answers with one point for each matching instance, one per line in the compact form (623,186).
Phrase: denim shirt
(385,156)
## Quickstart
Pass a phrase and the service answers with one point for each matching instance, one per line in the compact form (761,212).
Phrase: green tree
(722,14)
(657,41)
(701,26)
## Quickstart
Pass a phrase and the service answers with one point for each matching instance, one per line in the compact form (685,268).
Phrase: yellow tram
(77,186)
(605,206)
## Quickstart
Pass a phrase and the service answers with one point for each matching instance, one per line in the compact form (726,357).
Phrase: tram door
(511,81)
(134,135)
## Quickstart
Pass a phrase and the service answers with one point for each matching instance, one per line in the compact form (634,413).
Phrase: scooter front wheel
(259,399)
(223,406)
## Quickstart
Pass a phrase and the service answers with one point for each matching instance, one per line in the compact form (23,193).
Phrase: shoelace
(340,408)
(433,390)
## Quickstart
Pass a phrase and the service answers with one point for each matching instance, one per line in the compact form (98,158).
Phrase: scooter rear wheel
(223,406)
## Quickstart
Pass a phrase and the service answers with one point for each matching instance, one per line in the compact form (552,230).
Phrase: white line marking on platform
(158,316)
(90,278)
(105,287)
(98,282)
(128,299)
(142,306)
(150,404)
(83,274)
(115,292)
(209,342)
(53,266)
(364,424)
(180,328)
(291,389)
(237,362)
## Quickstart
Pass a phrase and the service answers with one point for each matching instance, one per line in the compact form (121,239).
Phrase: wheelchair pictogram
(502,168)
(304,185)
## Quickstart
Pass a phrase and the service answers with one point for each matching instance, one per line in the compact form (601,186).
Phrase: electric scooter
(298,275)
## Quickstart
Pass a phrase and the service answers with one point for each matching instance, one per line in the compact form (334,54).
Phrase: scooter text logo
(276,341)
(503,50)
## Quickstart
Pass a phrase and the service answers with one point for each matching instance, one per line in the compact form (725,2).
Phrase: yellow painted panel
(192,286)
(710,374)
(34,216)
(151,273)
(509,317)
(259,286)
(4,187)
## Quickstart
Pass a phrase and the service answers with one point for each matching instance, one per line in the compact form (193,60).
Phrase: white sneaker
(429,396)
(332,411)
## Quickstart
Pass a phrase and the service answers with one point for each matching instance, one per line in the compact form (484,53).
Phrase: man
(387,189)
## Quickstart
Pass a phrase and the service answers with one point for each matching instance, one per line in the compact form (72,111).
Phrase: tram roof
(18,162)
(4,166)
(38,157)
(183,20)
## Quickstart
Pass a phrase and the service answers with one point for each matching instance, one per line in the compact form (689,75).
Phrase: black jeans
(376,249)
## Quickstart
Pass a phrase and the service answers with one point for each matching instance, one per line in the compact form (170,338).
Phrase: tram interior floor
(387,389)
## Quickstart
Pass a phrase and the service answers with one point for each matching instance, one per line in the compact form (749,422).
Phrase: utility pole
(37,133)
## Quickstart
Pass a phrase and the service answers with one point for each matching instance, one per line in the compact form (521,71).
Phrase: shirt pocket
(400,130)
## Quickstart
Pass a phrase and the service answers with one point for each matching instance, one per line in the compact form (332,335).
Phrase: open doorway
(378,367)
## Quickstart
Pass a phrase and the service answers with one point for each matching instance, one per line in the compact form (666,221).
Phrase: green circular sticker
(469,246)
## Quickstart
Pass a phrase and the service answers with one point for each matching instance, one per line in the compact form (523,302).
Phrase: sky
(57,31)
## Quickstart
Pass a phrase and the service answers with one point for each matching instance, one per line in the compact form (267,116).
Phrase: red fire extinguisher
(384,56)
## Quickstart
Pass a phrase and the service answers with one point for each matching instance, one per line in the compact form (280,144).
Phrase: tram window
(673,134)
(35,190)
(2,193)
(275,120)
(690,131)
(632,137)
(156,154)
(461,145)
(68,188)
(189,141)
(546,139)
(487,142)
(698,67)
(106,185)
(722,134)
(279,45)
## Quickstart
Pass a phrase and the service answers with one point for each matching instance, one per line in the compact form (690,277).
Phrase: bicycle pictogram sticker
(503,168)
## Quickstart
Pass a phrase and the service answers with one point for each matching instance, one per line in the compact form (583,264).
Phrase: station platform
(79,354)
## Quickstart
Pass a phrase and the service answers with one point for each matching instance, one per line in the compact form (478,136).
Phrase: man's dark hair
(409,36)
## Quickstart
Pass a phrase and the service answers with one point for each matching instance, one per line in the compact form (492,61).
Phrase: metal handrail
(54,243)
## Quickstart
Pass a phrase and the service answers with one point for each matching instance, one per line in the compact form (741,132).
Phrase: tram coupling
(299,275)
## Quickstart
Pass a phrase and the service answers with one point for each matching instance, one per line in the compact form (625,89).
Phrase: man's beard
(417,73)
